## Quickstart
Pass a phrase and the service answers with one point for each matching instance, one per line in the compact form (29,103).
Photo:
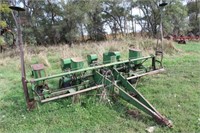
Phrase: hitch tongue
(138,100)
(164,121)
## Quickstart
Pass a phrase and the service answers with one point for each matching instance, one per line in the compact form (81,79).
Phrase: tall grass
(40,54)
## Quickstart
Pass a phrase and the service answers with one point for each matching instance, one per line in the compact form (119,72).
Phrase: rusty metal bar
(90,68)
(140,105)
(71,94)
(148,73)
(20,44)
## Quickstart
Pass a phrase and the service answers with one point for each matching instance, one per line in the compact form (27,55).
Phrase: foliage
(2,41)
(175,18)
(53,22)
(194,15)
(4,10)
(3,24)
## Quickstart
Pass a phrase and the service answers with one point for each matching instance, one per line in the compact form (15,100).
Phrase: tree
(4,38)
(66,21)
(194,15)
(116,15)
(4,11)
(175,14)
(151,18)
(175,18)
(95,21)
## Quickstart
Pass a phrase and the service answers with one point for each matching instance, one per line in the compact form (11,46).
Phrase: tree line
(46,22)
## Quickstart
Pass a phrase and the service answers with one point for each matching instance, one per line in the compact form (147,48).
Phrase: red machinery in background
(182,39)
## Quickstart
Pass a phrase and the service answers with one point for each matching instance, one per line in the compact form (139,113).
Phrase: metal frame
(112,79)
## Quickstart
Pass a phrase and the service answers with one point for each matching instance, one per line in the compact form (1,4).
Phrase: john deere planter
(114,75)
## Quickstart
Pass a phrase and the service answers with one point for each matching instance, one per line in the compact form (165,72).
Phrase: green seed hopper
(115,75)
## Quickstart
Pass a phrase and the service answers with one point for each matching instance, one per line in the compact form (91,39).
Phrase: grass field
(175,94)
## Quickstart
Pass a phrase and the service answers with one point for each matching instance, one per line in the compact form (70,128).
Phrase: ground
(174,93)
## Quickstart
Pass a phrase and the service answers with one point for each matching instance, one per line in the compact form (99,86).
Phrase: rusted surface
(134,113)
(134,49)
(77,59)
(71,94)
(27,97)
(37,67)
(31,105)
(133,94)
(164,121)
(20,43)
(148,73)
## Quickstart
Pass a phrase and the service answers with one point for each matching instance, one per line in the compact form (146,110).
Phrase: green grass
(175,94)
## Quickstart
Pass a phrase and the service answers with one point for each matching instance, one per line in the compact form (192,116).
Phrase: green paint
(65,64)
(92,58)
